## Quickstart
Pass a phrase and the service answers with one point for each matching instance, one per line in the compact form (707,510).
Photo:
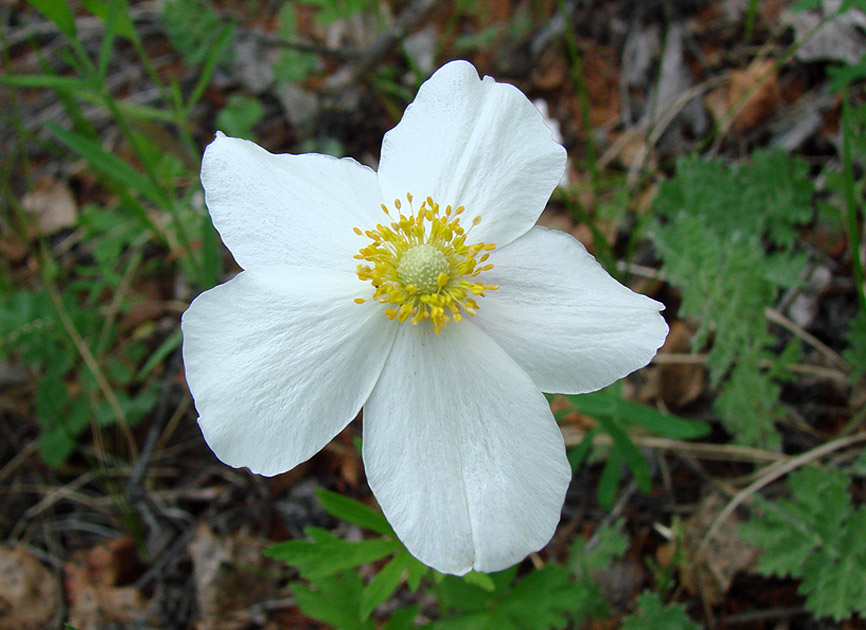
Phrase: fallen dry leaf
(759,84)
(92,580)
(51,204)
(681,383)
(29,594)
(231,574)
(722,557)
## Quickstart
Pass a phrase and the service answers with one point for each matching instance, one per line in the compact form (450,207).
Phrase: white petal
(563,318)
(279,360)
(288,209)
(479,144)
(462,451)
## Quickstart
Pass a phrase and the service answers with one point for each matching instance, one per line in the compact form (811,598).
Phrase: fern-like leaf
(816,536)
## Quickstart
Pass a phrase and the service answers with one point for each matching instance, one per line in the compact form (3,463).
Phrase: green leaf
(818,537)
(171,343)
(855,354)
(215,53)
(194,29)
(712,229)
(61,420)
(610,404)
(578,454)
(211,259)
(612,543)
(629,452)
(608,483)
(652,614)
(58,12)
(354,512)
(542,600)
(334,599)
(482,580)
(54,82)
(240,115)
(326,554)
(123,21)
(403,618)
(385,583)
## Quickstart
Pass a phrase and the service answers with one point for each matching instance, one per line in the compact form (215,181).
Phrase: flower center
(425,267)
(421,266)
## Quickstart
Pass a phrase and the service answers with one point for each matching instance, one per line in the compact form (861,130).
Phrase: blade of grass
(111,24)
(222,40)
(109,164)
(58,12)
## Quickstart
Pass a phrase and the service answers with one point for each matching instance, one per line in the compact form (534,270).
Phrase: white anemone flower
(444,317)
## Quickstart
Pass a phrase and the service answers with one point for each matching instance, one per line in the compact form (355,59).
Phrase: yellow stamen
(421,267)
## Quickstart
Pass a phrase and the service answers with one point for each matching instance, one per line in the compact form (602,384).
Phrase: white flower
(459,444)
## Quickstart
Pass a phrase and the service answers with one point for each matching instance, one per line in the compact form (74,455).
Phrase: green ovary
(421,267)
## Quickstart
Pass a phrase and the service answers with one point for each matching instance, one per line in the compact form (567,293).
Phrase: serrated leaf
(542,600)
(855,354)
(326,554)
(334,599)
(354,512)
(713,225)
(652,614)
(818,537)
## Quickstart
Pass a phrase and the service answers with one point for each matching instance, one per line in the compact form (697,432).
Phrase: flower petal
(288,209)
(563,318)
(279,360)
(462,451)
(476,143)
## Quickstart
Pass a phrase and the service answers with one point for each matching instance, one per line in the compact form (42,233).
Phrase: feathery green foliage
(653,614)
(816,536)
(726,235)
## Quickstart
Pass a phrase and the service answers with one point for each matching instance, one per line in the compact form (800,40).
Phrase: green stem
(852,210)
(582,93)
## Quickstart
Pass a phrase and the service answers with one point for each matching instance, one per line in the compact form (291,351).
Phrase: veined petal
(462,451)
(288,209)
(279,360)
(563,318)
(476,143)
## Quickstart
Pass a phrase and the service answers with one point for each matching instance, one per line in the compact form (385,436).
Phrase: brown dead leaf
(230,576)
(551,70)
(761,82)
(723,556)
(680,383)
(29,594)
(52,206)
(93,589)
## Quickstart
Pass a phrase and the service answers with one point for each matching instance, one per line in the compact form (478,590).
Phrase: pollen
(420,265)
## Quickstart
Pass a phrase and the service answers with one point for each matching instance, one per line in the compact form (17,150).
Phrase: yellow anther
(420,265)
